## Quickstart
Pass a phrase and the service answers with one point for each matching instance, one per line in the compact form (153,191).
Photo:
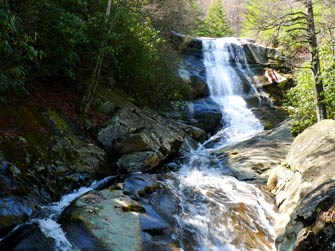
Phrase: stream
(217,212)
(222,212)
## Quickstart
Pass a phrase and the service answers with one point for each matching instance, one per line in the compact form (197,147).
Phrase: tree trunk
(95,78)
(315,63)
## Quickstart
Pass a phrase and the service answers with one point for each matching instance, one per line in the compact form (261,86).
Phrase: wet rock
(140,185)
(13,211)
(193,132)
(170,167)
(305,191)
(152,223)
(199,87)
(203,113)
(108,217)
(27,237)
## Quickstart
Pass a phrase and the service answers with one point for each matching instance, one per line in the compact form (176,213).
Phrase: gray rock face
(13,211)
(258,54)
(140,161)
(305,191)
(255,158)
(199,87)
(203,113)
(144,138)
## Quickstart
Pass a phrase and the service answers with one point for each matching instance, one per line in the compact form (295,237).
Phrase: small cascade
(48,216)
(217,211)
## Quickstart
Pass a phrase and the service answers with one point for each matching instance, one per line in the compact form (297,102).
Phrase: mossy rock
(109,217)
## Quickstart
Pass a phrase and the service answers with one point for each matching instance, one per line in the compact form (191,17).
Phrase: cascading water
(228,80)
(47,221)
(222,212)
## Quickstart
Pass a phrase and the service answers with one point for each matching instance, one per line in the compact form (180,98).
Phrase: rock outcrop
(305,190)
(135,215)
(255,158)
(204,114)
(143,139)
(199,87)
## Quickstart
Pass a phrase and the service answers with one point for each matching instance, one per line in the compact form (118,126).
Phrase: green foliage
(301,97)
(15,51)
(215,22)
(64,40)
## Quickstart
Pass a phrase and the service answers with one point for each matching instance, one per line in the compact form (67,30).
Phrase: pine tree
(215,23)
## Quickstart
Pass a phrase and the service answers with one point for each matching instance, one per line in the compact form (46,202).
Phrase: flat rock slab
(109,217)
(254,158)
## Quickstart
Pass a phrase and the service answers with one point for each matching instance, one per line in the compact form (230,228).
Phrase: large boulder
(104,220)
(143,139)
(203,113)
(199,87)
(305,191)
(186,44)
(13,211)
(259,54)
(140,161)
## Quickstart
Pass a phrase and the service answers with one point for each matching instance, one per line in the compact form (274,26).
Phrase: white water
(223,213)
(49,226)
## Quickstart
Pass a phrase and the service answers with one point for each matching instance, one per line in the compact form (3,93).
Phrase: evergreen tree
(215,22)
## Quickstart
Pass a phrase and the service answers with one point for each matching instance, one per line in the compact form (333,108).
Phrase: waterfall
(219,211)
(229,79)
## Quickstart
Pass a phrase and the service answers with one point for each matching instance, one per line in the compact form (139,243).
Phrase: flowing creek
(217,212)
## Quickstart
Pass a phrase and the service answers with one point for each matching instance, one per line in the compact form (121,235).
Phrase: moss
(115,96)
(25,135)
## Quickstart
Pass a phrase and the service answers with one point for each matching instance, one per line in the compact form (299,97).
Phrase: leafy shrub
(301,97)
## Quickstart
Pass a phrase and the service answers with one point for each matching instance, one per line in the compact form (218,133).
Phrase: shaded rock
(270,117)
(193,132)
(135,143)
(140,161)
(145,138)
(28,237)
(305,191)
(203,113)
(152,223)
(199,87)
(139,185)
(13,211)
(109,217)
(186,44)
